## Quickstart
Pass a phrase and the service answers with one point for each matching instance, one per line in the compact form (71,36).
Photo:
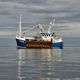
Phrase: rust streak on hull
(38,44)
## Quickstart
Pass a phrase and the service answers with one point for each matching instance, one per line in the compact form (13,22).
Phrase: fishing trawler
(41,40)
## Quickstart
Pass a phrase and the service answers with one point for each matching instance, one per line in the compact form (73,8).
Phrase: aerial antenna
(52,23)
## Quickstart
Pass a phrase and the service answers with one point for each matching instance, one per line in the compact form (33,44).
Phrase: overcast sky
(66,13)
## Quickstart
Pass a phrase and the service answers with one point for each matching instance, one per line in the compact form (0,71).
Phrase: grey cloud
(7,8)
(42,11)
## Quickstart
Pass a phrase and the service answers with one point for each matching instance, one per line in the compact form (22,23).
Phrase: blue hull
(20,43)
(57,45)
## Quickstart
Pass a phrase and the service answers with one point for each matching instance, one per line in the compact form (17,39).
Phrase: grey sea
(40,64)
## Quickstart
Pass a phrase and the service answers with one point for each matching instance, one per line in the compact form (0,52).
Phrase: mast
(52,23)
(20,25)
(40,28)
(49,30)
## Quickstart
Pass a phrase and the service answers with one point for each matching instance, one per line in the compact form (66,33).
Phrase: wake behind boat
(41,40)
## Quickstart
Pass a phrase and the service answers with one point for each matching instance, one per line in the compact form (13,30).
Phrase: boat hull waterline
(38,44)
